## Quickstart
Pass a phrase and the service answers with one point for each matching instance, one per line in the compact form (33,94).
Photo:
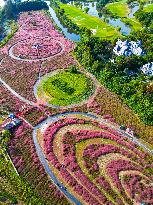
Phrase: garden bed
(94,162)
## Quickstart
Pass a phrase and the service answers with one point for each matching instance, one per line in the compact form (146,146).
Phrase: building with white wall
(127,48)
(147,69)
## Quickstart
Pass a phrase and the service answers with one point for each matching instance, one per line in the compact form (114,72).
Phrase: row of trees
(63,18)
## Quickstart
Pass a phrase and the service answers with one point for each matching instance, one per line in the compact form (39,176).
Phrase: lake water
(115,22)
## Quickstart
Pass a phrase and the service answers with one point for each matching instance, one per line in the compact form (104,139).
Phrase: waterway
(69,35)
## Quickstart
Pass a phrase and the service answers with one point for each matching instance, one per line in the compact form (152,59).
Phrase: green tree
(86,9)
(9,10)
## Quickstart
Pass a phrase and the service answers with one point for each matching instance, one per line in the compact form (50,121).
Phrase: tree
(9,10)
(86,9)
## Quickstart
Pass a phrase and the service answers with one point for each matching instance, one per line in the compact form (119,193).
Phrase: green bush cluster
(14,28)
(134,89)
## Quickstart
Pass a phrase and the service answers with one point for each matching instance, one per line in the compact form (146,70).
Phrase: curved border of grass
(79,98)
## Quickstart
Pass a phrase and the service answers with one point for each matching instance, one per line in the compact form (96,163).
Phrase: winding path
(44,161)
(96,84)
(15,93)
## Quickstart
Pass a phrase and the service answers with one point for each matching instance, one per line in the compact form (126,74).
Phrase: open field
(133,23)
(82,19)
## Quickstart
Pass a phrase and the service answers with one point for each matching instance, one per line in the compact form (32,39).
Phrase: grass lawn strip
(122,10)
(121,175)
(103,161)
(79,155)
(118,8)
(57,140)
(133,22)
(85,20)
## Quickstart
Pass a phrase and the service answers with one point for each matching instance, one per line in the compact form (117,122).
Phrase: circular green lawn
(65,88)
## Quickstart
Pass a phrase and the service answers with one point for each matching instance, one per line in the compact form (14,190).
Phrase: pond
(70,35)
(134,8)
(115,22)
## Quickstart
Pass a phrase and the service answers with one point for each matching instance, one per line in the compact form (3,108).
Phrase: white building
(147,69)
(2,3)
(128,48)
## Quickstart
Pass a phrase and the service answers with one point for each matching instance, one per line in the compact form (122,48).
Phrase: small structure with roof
(147,69)
(11,116)
(12,122)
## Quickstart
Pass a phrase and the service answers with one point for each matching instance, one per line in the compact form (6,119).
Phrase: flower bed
(79,162)
(23,154)
(36,39)
(40,48)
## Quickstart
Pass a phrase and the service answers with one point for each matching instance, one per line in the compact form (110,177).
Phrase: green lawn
(85,20)
(148,8)
(118,8)
(65,88)
(122,10)
(134,24)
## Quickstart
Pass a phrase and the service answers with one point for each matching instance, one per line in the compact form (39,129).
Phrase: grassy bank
(102,29)
(122,10)
(118,8)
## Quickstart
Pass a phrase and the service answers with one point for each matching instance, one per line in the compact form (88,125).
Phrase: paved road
(38,148)
(134,139)
(130,137)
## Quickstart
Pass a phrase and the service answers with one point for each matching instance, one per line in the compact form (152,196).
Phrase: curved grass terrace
(65,88)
